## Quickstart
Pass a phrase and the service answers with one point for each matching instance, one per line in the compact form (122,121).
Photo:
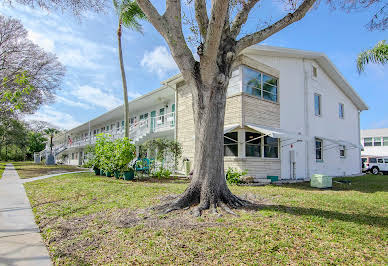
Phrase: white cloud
(69,102)
(55,117)
(159,61)
(96,97)
(42,41)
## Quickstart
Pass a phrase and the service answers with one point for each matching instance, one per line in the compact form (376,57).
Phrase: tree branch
(263,34)
(153,16)
(201,16)
(213,39)
(242,17)
(170,27)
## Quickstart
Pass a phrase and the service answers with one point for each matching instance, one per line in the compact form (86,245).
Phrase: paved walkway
(20,240)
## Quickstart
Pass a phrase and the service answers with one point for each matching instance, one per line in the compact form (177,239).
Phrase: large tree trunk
(124,80)
(208,188)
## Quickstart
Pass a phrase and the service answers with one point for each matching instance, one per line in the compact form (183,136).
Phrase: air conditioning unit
(321,181)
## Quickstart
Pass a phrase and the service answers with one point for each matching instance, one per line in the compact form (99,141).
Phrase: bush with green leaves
(162,173)
(124,153)
(233,176)
(162,148)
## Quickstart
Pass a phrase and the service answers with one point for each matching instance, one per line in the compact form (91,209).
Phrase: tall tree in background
(376,55)
(208,79)
(29,76)
(50,132)
(129,14)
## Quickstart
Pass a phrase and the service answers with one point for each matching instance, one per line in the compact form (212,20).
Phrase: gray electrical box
(292,156)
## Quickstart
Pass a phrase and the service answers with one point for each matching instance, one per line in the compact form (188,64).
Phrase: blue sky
(92,86)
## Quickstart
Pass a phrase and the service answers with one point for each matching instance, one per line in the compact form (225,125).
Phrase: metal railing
(137,131)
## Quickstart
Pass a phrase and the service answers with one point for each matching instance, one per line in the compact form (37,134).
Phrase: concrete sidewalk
(20,240)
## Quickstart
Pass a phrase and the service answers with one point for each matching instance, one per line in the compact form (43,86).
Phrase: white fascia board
(321,59)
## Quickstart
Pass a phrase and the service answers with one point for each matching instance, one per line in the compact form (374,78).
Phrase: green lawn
(2,167)
(86,219)
(30,169)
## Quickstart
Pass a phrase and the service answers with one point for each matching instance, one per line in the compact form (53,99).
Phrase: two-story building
(375,142)
(289,113)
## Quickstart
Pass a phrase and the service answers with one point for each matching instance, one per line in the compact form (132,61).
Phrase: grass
(30,169)
(2,167)
(86,219)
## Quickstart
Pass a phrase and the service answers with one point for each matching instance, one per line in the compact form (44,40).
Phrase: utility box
(36,157)
(187,166)
(321,181)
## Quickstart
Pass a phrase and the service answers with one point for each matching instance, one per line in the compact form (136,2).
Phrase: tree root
(226,202)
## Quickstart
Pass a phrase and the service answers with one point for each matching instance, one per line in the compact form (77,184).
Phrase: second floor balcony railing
(137,131)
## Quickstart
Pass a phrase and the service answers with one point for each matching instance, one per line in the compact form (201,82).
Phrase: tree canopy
(29,76)
(377,55)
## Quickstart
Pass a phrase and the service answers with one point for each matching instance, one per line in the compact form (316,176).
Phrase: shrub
(162,173)
(124,153)
(233,176)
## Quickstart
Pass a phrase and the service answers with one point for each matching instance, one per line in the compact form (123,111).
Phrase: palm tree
(377,55)
(129,14)
(51,132)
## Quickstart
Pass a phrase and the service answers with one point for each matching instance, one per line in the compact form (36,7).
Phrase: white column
(241,142)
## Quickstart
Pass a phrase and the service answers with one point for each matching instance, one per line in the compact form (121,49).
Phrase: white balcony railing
(137,131)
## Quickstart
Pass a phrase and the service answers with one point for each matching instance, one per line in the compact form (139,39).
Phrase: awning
(342,142)
(276,132)
(229,128)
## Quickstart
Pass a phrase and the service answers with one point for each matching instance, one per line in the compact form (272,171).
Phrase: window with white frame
(342,151)
(257,145)
(252,144)
(385,141)
(259,84)
(341,110)
(368,142)
(377,141)
(231,144)
(271,147)
(318,149)
(317,104)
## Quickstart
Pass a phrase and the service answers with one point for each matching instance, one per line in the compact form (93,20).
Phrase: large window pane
(271,147)
(270,80)
(385,141)
(230,144)
(252,144)
(269,96)
(260,85)
(377,141)
(367,142)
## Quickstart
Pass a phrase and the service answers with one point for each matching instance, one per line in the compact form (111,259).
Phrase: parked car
(375,165)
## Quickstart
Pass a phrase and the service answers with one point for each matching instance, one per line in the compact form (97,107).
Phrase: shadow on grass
(365,184)
(362,219)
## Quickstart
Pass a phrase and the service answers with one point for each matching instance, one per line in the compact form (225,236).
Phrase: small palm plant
(377,55)
(129,14)
(51,133)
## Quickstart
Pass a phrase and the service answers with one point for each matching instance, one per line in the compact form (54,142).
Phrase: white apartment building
(289,113)
(375,142)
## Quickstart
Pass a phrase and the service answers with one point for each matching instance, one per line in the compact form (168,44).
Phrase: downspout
(359,142)
(306,122)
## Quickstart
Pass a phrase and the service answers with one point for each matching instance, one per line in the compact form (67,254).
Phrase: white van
(375,165)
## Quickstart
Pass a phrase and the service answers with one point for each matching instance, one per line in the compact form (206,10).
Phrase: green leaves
(376,55)
(112,155)
(12,92)
(129,14)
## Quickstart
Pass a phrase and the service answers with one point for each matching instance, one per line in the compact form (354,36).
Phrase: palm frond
(130,14)
(376,55)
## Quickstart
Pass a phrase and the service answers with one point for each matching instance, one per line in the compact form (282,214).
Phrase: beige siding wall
(260,112)
(185,122)
(233,113)
(257,167)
